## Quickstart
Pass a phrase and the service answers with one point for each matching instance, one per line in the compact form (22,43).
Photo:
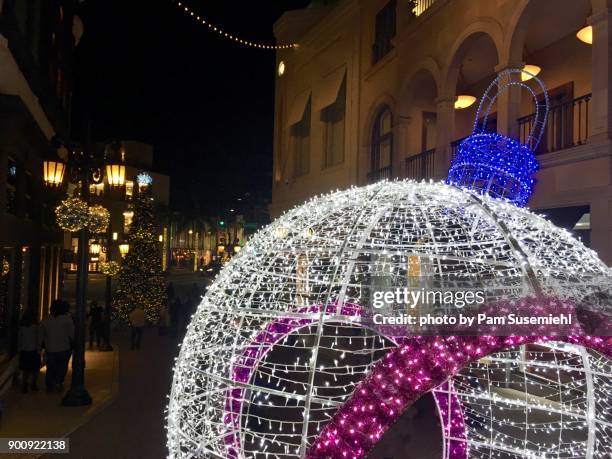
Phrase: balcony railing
(420,6)
(567,125)
(455,144)
(379,174)
(421,166)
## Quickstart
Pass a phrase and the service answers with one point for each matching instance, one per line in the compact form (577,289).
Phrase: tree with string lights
(140,279)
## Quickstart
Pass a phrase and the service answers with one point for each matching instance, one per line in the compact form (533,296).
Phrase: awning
(327,89)
(298,107)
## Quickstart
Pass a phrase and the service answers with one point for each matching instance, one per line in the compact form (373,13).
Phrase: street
(132,426)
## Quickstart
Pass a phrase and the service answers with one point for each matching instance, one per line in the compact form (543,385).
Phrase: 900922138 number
(34,445)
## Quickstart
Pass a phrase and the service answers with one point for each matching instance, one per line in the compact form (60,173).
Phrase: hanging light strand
(228,35)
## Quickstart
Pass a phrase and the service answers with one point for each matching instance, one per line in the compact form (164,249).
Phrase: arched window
(382,147)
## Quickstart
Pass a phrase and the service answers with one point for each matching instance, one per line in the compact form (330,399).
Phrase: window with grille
(384,31)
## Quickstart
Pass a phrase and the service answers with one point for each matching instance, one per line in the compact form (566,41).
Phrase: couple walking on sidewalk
(56,335)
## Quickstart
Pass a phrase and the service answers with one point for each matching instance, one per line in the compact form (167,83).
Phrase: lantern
(115,169)
(124,248)
(53,172)
(115,174)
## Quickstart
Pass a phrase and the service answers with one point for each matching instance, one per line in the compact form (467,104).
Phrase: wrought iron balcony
(379,174)
(455,144)
(421,166)
(567,125)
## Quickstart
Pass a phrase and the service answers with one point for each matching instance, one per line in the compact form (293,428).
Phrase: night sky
(145,71)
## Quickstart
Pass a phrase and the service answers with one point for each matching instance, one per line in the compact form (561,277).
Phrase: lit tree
(140,280)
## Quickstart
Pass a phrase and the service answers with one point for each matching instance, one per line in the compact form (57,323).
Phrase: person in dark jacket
(58,339)
(96,324)
(30,338)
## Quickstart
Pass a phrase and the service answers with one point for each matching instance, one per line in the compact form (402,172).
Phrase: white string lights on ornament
(538,401)
(224,34)
(278,344)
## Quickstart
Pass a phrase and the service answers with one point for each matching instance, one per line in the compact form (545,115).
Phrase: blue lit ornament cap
(494,164)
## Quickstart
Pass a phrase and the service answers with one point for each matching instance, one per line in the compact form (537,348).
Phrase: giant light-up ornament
(278,353)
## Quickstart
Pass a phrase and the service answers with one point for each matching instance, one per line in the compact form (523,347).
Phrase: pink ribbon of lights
(453,426)
(397,380)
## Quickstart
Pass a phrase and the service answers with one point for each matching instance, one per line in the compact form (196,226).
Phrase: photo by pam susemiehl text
(467,320)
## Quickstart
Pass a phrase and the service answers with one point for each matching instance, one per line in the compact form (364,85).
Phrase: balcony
(455,145)
(420,6)
(421,166)
(383,173)
(567,126)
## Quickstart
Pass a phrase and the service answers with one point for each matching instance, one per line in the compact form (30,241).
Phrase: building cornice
(588,151)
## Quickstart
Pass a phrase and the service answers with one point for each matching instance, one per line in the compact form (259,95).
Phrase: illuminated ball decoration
(495,164)
(143,179)
(109,268)
(278,344)
(99,219)
(72,214)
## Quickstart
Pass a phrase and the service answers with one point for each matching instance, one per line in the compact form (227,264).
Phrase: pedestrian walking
(30,339)
(137,323)
(58,338)
(96,324)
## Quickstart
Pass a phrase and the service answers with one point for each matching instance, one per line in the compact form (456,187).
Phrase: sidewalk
(40,414)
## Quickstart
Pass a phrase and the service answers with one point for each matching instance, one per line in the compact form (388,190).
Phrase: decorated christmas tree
(140,280)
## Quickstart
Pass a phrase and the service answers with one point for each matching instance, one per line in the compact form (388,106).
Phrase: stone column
(445,132)
(400,146)
(601,102)
(509,101)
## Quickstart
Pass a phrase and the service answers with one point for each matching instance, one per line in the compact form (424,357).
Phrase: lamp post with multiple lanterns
(84,167)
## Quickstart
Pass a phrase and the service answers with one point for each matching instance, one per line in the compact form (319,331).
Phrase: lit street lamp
(84,167)
(124,249)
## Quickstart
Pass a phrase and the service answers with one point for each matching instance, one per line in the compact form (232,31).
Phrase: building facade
(370,93)
(37,41)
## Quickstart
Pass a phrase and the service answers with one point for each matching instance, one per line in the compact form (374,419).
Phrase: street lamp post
(108,293)
(77,395)
(84,167)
